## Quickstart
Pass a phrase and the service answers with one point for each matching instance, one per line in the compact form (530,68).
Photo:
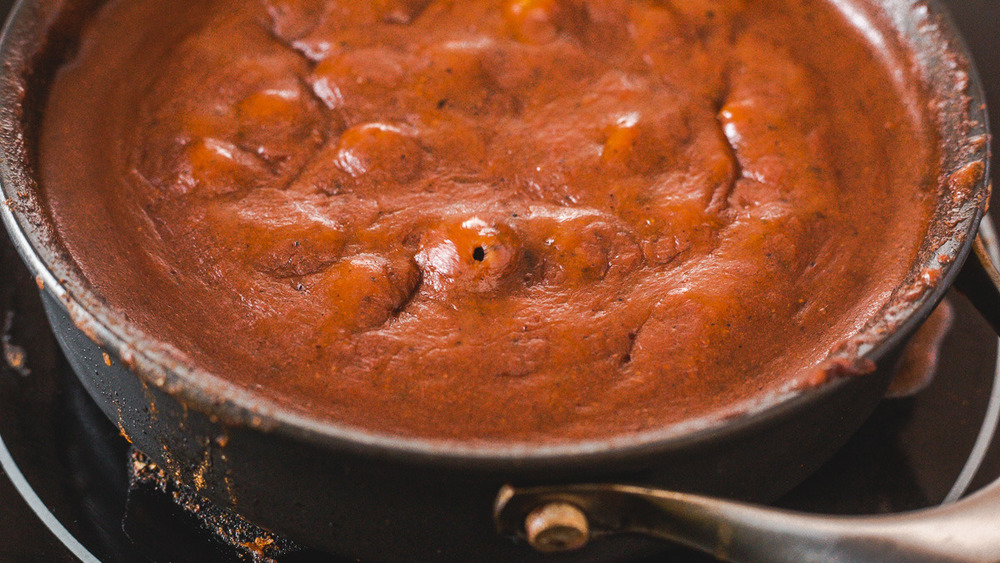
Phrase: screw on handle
(557,526)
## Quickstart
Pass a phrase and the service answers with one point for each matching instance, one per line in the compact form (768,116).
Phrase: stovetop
(64,491)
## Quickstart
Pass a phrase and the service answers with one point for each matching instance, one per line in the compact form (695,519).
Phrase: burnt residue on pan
(251,542)
(13,355)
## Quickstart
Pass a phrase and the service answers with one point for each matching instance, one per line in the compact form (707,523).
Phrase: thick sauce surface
(492,220)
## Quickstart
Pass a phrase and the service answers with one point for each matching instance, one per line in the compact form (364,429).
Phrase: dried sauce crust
(520,220)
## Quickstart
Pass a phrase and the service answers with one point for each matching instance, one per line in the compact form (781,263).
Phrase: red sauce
(505,221)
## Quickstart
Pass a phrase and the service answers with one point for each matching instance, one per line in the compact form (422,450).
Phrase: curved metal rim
(204,391)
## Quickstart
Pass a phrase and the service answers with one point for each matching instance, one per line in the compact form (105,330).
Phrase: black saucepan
(380,497)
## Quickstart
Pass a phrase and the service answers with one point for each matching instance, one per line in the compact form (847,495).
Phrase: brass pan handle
(565,518)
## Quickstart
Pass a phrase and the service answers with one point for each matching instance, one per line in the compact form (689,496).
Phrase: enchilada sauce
(491,220)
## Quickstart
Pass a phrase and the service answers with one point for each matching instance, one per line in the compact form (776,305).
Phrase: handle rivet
(556,527)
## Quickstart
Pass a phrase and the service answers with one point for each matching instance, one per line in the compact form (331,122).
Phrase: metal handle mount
(964,531)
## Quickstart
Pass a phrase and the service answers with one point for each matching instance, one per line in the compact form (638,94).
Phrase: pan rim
(167,369)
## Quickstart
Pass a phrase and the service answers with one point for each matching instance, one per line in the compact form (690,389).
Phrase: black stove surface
(64,493)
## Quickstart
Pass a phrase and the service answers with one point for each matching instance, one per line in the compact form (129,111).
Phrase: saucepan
(382,497)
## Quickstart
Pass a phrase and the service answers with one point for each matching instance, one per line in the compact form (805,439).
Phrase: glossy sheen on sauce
(490,220)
